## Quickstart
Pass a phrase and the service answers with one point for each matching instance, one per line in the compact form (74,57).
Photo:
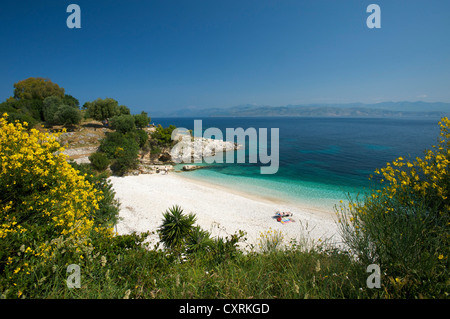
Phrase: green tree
(124,110)
(142,120)
(122,150)
(162,136)
(36,88)
(70,100)
(50,107)
(57,113)
(31,107)
(102,109)
(67,115)
(29,95)
(123,123)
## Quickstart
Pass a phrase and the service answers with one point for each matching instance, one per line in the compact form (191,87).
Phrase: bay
(321,160)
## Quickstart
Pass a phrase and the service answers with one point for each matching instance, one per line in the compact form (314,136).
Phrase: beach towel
(286,220)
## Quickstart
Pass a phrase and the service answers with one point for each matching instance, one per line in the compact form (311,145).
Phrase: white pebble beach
(220,210)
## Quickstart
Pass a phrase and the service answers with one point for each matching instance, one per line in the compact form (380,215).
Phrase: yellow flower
(51,189)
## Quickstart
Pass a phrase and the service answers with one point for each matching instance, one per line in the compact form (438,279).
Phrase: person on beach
(283,214)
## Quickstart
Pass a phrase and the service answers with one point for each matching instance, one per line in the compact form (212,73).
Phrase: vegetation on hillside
(39,100)
(54,214)
(404,226)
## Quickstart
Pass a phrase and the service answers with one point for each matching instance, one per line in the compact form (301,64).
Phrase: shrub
(404,224)
(124,109)
(141,137)
(115,144)
(123,163)
(224,249)
(57,113)
(162,136)
(176,228)
(142,120)
(50,106)
(108,212)
(102,109)
(71,101)
(99,161)
(123,123)
(45,205)
(23,118)
(199,240)
(67,115)
(122,150)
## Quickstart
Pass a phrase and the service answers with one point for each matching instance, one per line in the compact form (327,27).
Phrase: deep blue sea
(321,160)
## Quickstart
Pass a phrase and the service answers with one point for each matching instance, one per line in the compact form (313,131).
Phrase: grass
(125,267)
(141,273)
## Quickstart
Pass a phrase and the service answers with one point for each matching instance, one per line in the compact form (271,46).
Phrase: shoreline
(268,199)
(220,210)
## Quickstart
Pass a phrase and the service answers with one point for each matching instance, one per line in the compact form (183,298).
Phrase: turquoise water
(321,159)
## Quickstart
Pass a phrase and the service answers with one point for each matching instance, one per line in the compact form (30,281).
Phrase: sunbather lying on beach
(283,214)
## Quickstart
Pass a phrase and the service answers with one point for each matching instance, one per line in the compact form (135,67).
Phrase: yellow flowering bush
(422,178)
(46,207)
(270,240)
(404,223)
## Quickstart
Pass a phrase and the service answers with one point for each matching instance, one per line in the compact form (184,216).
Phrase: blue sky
(161,55)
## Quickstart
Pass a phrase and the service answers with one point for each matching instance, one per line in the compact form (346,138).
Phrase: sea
(321,160)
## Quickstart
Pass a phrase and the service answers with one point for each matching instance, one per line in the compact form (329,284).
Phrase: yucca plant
(176,228)
(199,240)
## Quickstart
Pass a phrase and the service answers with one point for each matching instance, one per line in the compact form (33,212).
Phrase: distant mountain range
(384,109)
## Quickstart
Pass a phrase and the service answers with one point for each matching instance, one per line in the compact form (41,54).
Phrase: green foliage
(45,206)
(36,88)
(102,109)
(29,95)
(179,235)
(403,224)
(32,108)
(99,161)
(142,120)
(141,137)
(176,228)
(123,123)
(225,249)
(17,114)
(71,101)
(122,149)
(108,212)
(124,109)
(50,106)
(162,136)
(199,240)
(67,115)
(115,143)
(55,112)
